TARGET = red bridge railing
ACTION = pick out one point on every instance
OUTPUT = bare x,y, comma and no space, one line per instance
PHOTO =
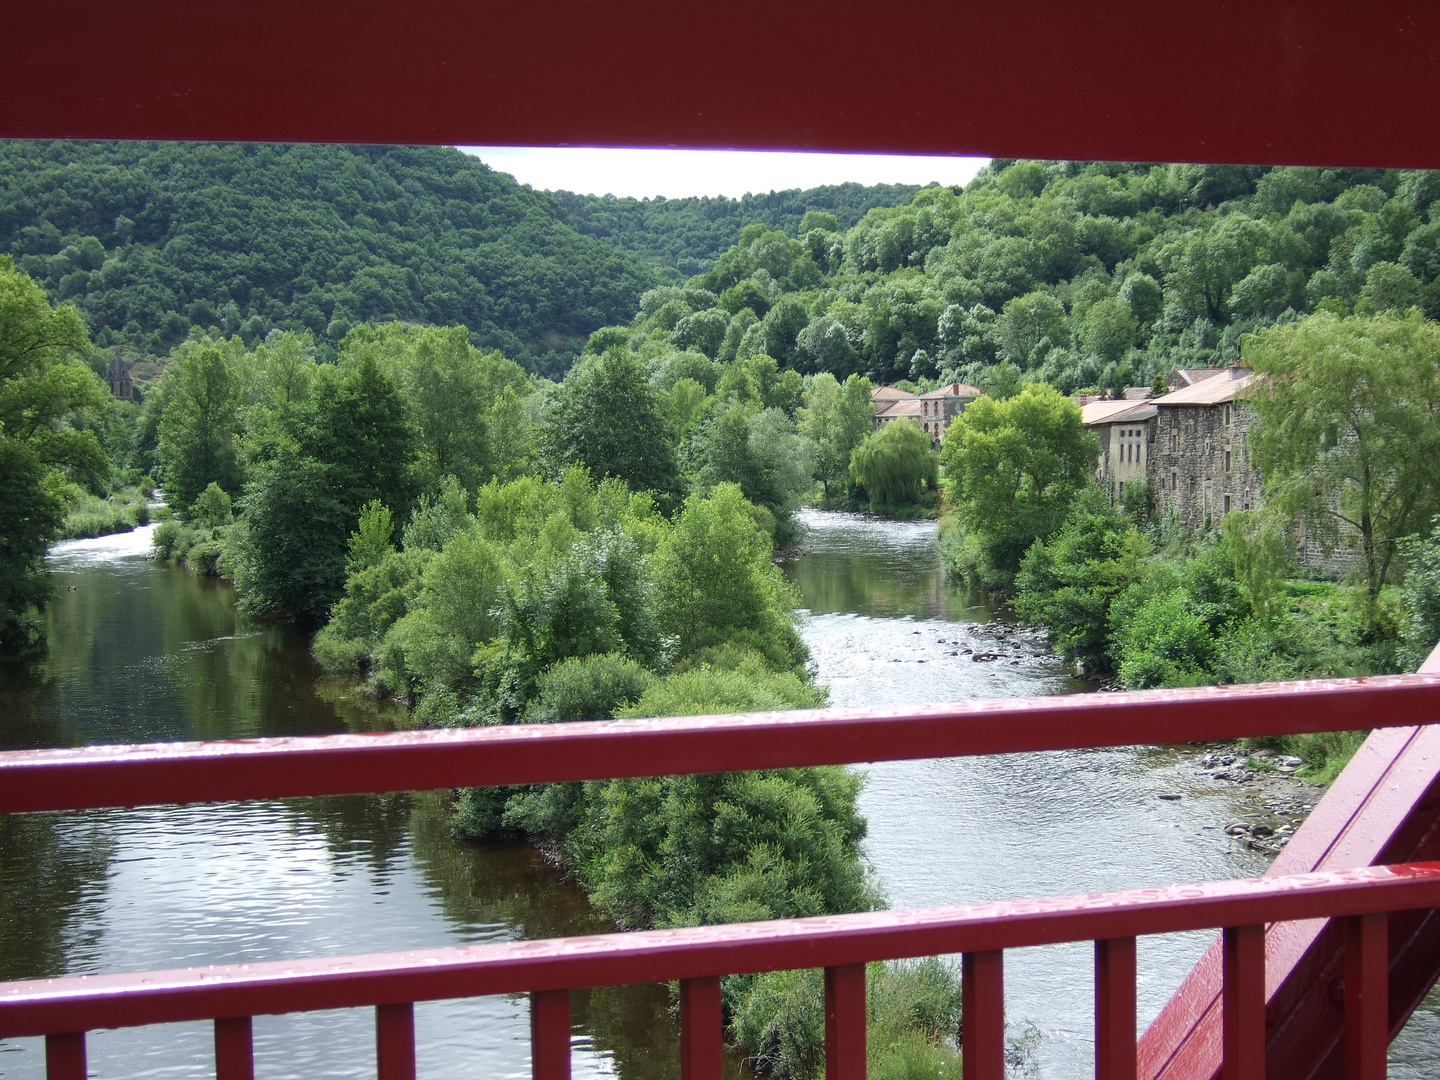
1359,898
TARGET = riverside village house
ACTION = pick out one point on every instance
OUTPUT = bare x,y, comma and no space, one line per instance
933,411
1189,444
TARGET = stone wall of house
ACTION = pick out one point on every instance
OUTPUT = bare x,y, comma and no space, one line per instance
1200,463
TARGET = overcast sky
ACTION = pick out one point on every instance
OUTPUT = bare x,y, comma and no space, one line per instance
673,173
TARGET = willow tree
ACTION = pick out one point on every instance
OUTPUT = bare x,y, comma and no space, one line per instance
894,464
1347,435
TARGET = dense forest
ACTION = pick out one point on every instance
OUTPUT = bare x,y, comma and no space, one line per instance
1079,275
152,240
478,527
690,233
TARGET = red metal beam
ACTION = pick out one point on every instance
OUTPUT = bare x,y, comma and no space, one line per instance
1323,82
34,780
548,967
1384,808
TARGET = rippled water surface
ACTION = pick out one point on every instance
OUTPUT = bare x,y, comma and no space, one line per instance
141,652
884,627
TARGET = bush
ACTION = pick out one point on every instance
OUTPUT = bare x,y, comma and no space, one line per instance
587,688
1069,583
91,516
1421,630
913,1013
166,539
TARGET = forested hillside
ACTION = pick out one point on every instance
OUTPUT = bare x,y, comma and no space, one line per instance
1080,275
689,234
150,239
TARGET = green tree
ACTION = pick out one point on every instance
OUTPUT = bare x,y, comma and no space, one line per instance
1030,326
45,390
201,424
1068,583
1347,432
715,582
605,416
895,464
1107,329
347,446
757,449
456,398
1014,467
835,419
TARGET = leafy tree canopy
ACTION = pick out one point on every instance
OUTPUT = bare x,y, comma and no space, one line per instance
46,394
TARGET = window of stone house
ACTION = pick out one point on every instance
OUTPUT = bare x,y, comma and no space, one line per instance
1227,461
1227,504
1174,480
1174,443
1226,416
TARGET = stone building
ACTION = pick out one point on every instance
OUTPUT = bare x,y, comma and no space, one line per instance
939,407
1125,429
933,411
891,403
1199,462
118,376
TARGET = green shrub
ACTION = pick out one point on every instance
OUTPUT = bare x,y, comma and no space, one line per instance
204,557
913,1014
166,539
587,688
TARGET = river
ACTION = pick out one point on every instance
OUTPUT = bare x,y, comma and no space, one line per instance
142,652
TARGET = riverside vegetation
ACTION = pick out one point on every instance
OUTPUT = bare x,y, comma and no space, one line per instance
490,546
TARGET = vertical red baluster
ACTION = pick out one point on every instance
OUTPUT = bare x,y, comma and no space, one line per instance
700,1029
234,1049
845,1018
65,1056
550,1035
1115,1009
982,1023
1367,988
395,1041
1243,1003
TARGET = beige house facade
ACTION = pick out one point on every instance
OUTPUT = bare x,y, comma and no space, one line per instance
1124,429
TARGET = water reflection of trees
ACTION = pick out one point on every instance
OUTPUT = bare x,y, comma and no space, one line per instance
53,869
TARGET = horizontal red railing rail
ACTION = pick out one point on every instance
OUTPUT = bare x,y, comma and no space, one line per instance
204,993
64,1008
100,776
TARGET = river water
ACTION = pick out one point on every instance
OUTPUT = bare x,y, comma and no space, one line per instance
141,652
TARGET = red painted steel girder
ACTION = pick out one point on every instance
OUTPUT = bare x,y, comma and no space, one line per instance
1324,82
1384,808
86,1002
33,780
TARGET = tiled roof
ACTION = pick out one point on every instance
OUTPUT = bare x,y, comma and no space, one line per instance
1191,376
890,393
903,407
1117,412
1213,391
954,389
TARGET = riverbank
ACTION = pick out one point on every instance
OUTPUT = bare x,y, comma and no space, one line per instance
1275,799
91,516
